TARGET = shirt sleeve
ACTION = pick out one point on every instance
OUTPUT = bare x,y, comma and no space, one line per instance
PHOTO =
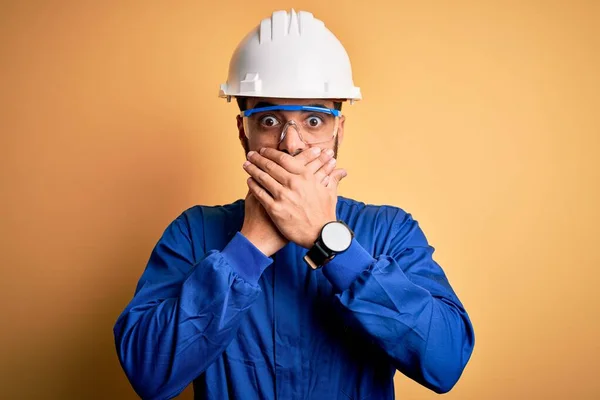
184,313
404,303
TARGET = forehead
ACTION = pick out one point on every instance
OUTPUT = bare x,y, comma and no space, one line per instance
252,101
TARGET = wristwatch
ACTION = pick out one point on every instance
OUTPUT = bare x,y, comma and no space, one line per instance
335,238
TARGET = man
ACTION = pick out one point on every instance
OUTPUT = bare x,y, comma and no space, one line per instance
294,292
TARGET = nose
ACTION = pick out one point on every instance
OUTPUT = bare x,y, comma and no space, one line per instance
291,143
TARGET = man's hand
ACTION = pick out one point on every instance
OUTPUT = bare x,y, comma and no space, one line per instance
258,227
299,197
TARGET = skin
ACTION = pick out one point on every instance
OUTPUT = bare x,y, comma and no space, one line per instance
292,186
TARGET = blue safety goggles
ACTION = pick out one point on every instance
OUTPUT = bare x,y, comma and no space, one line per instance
318,125
334,112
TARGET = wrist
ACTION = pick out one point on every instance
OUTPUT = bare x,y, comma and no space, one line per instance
266,245
316,233
335,237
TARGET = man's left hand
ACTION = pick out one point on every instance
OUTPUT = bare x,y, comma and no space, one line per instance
300,199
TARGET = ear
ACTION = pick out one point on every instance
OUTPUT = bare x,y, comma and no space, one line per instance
240,127
340,133
242,135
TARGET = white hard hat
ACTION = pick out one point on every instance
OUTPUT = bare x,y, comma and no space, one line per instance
290,55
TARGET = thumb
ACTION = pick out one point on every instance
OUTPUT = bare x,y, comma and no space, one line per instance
335,177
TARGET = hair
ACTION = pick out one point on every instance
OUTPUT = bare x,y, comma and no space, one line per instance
242,104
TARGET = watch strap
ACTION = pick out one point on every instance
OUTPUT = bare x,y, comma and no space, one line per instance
317,255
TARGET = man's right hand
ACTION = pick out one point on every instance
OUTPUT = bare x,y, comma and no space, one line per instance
258,227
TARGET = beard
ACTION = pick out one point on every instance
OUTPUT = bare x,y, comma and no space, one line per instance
247,148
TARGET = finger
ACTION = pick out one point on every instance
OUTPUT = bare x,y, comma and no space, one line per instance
260,194
325,170
312,154
270,167
318,162
264,179
335,177
291,164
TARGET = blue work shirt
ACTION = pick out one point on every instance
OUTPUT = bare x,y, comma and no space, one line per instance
212,309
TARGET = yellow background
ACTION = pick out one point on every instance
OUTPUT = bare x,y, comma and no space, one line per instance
480,118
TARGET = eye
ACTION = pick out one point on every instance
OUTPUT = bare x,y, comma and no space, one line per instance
269,121
314,121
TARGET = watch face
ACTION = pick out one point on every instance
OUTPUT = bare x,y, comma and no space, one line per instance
336,236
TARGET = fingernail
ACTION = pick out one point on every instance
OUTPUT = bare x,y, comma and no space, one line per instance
316,150
262,151
246,164
251,153
329,152
332,161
